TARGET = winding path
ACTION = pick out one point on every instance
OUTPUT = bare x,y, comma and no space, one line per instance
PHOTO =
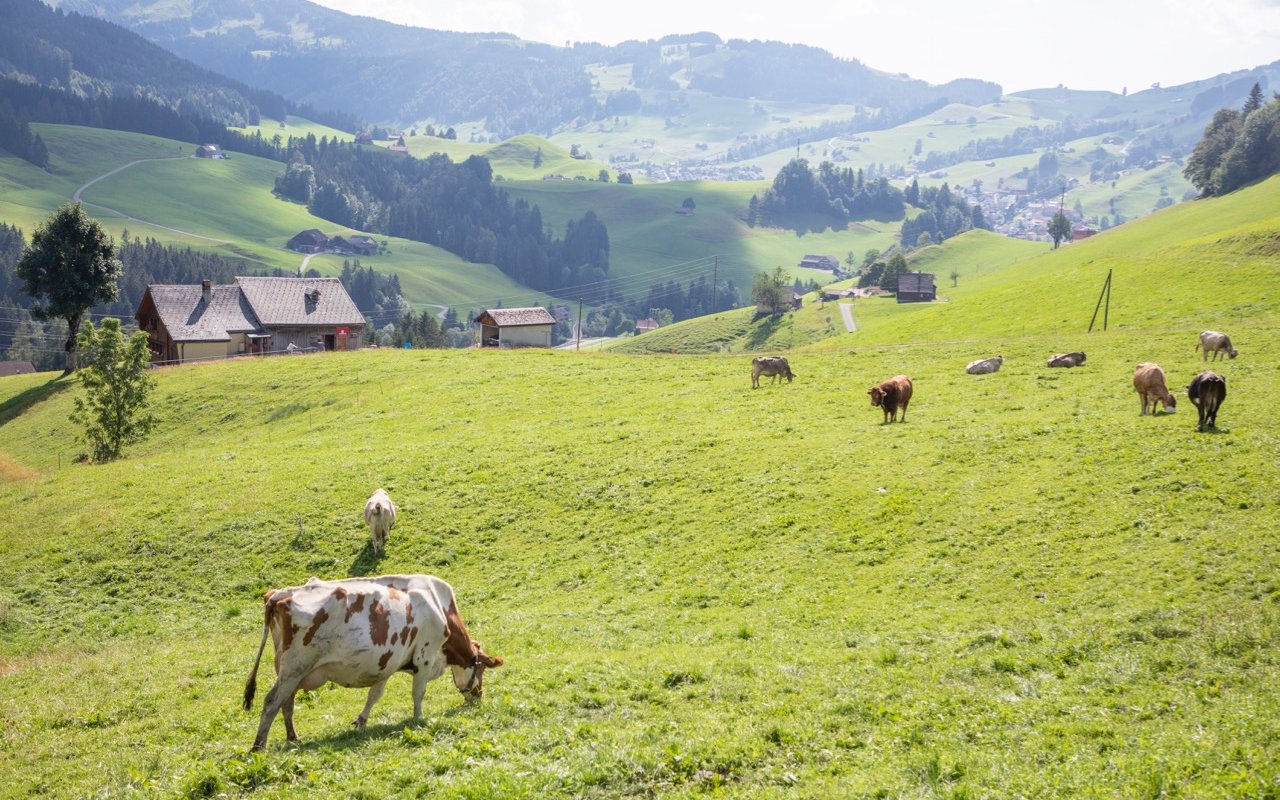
846,311
119,213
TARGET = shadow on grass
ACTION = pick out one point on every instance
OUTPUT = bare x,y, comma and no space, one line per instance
14,407
1214,431
761,333
353,737
365,563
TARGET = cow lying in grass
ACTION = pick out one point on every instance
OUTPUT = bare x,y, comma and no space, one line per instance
1206,393
1148,382
379,515
771,367
1066,360
359,632
891,395
985,366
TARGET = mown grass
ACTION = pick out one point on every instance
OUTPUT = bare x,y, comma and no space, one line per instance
1026,589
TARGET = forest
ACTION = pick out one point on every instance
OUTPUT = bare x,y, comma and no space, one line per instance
834,195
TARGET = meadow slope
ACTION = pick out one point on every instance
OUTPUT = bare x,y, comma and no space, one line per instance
1024,590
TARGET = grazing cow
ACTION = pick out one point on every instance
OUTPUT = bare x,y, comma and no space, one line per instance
1148,382
1216,343
1206,392
1066,360
359,632
891,395
771,367
379,515
984,366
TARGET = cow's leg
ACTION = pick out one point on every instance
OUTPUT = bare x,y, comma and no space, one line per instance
271,706
904,410
375,692
287,713
420,679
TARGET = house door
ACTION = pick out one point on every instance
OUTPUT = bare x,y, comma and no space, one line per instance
330,342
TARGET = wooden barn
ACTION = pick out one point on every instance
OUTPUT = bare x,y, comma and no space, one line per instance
311,240
515,327
916,287
209,151
253,316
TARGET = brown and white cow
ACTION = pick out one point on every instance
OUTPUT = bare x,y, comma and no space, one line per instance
359,632
1066,360
771,367
1148,382
379,515
1206,392
1216,343
891,395
985,366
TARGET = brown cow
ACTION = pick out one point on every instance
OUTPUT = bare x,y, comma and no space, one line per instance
1148,382
890,395
358,632
771,367
1066,360
1206,392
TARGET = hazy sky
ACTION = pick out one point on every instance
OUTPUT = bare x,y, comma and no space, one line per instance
1021,44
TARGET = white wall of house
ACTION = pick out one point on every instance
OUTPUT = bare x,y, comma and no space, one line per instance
195,351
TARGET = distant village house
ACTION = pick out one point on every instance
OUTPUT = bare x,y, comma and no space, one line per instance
309,241
515,327
354,245
209,151
829,263
916,287
255,315
645,325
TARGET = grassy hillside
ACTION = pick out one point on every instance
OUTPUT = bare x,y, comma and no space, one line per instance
695,585
512,159
1208,264
224,206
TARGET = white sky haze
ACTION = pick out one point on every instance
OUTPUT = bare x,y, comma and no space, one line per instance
1020,44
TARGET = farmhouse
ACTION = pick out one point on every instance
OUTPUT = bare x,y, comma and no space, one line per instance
645,325
400,145
308,241
838,294
356,244
515,327
250,317
829,263
209,151
916,287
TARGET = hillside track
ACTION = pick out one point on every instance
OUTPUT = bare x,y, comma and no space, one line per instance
78,192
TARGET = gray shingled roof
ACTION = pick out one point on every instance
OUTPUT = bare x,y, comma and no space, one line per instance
188,318
284,302
915,282
511,317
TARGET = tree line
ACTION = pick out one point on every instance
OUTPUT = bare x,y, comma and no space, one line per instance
802,199
1238,147
454,206
944,214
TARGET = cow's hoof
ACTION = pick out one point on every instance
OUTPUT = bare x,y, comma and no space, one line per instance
359,723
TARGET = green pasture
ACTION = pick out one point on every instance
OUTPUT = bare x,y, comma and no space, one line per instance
650,243
226,206
295,126
1026,589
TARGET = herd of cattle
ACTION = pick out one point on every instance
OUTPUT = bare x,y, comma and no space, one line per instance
358,632
1206,391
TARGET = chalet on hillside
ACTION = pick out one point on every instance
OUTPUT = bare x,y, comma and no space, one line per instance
8,368
308,241
645,325
209,151
838,294
829,263
357,244
916,287
255,315
399,145
515,327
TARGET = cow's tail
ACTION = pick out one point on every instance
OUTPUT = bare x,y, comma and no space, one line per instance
251,685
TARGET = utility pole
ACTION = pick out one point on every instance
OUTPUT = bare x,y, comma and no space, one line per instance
715,296
1106,292
578,346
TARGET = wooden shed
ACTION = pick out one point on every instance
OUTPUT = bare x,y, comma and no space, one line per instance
916,287
515,327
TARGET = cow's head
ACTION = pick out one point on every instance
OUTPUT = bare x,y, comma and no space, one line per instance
1170,404
470,679
790,376
877,395
1231,352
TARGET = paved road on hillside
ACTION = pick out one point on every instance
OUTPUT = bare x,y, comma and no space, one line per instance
120,213
846,311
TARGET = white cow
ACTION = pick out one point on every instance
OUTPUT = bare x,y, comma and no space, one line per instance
359,632
984,366
379,515
1216,343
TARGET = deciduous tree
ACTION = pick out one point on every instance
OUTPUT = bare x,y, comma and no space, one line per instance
69,267
1059,228
113,409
